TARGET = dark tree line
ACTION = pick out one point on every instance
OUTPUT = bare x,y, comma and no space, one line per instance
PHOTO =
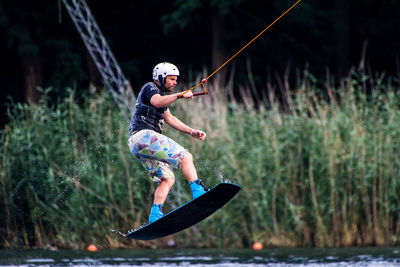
39,46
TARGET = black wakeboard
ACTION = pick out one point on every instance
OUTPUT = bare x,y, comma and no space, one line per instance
188,214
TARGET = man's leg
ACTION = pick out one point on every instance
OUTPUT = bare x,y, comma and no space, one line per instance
190,173
161,193
188,168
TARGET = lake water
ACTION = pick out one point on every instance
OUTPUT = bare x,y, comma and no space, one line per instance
385,257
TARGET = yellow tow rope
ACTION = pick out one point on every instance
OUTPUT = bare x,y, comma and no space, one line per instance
237,53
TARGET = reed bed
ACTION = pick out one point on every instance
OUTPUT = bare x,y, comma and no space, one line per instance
321,171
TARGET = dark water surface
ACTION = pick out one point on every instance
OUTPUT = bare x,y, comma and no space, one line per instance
386,257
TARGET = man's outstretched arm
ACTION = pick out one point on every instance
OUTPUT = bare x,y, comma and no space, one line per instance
160,101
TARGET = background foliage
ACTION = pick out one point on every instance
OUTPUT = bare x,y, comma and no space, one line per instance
317,154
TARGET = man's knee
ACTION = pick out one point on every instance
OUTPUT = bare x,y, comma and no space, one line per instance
169,180
187,157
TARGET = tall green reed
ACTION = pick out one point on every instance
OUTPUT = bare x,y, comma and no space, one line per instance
67,174
323,172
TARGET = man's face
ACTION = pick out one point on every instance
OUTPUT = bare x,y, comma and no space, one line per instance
170,82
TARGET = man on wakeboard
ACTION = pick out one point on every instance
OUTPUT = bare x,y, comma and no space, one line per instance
157,152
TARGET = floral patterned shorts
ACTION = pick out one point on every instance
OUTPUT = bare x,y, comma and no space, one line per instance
157,153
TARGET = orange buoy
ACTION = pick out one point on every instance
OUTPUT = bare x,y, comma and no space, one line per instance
92,248
257,246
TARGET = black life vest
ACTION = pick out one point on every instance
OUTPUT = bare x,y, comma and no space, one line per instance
146,116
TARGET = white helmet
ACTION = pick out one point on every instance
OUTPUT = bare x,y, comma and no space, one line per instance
162,70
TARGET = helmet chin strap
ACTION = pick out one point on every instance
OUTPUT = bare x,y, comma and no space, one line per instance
161,80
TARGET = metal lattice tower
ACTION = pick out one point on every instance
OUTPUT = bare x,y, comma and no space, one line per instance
102,55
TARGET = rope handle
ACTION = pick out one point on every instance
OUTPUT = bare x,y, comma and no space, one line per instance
196,94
